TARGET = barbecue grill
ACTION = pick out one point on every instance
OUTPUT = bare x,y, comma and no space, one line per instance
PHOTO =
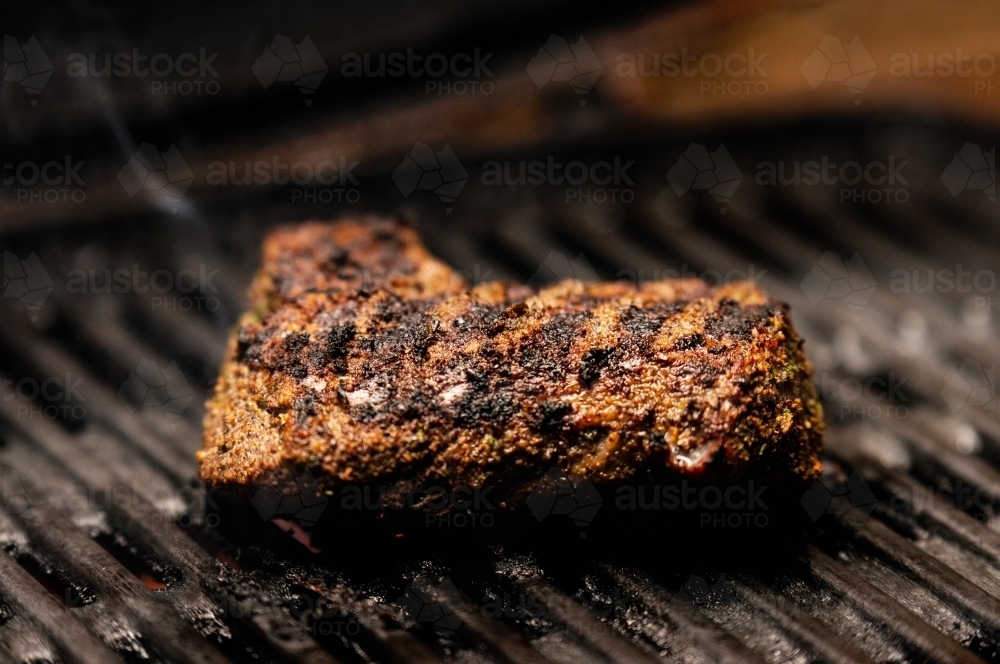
115,315
115,552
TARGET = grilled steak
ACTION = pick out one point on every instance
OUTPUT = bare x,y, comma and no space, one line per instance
368,362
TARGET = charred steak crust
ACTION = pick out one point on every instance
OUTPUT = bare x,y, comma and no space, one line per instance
368,362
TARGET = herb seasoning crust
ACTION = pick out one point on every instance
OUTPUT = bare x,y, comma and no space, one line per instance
366,361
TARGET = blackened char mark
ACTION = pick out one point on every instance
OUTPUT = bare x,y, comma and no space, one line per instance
296,341
334,352
423,337
551,416
643,324
479,317
411,332
336,256
689,342
486,401
732,320
285,356
509,314
413,403
250,345
392,308
548,355
562,330
338,338
593,362
292,359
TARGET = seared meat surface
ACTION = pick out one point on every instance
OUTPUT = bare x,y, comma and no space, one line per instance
368,362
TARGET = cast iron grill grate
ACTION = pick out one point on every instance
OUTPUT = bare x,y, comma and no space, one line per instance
112,555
